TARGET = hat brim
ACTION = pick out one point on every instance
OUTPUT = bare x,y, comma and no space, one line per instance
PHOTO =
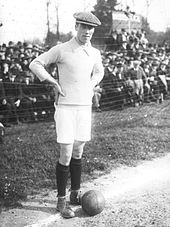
86,22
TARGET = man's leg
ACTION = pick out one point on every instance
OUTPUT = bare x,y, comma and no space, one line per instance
62,171
62,168
75,171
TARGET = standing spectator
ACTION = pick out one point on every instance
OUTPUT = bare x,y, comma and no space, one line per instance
119,40
107,98
80,70
129,88
124,39
153,82
138,76
97,97
163,87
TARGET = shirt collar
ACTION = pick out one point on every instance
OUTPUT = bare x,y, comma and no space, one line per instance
76,46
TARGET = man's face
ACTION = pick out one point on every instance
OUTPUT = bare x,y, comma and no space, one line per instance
84,33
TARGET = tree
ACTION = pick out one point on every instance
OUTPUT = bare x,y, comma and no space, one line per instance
145,25
152,36
103,10
51,37
57,19
48,24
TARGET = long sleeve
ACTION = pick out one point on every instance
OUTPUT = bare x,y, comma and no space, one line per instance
38,65
98,70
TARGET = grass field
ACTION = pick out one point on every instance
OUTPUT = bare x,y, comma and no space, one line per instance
29,153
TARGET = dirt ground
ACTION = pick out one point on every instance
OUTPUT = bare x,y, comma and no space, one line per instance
135,197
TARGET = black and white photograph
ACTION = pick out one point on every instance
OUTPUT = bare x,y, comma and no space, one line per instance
84,113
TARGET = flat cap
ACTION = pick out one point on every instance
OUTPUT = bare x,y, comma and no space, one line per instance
87,18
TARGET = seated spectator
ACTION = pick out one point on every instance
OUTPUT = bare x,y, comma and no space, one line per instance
42,104
2,101
147,87
153,82
119,87
27,113
11,101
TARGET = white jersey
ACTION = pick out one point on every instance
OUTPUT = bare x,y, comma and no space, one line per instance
80,69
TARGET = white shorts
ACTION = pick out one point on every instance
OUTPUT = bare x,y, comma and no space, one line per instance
72,123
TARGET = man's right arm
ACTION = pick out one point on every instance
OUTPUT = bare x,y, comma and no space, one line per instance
37,66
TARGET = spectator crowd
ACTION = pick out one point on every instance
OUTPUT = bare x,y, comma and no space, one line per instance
135,72
23,98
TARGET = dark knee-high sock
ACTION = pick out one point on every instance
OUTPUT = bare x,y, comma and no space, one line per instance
61,178
75,172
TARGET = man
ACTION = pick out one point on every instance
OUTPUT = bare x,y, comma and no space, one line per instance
153,82
147,87
138,76
107,83
80,70
2,97
162,82
119,87
27,100
11,101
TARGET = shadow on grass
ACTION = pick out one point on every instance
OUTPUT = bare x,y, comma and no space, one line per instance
45,209
79,212
41,201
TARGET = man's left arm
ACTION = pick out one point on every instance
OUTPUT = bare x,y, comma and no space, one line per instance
98,70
